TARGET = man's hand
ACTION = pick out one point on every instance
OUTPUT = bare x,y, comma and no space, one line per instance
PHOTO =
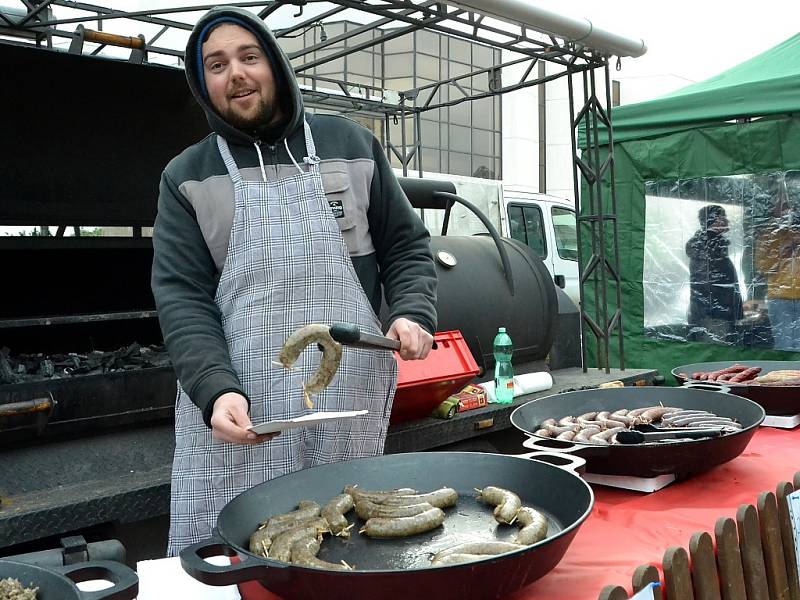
229,421
415,342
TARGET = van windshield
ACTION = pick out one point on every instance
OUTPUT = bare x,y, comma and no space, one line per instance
565,233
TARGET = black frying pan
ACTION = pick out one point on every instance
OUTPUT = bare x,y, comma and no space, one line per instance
651,460
58,583
776,400
397,569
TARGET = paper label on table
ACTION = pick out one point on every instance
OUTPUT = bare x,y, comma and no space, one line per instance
309,420
646,593
793,500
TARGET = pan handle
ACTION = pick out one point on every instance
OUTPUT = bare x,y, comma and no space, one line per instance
568,462
709,386
553,445
246,568
125,580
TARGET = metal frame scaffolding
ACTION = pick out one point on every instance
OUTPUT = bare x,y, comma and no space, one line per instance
526,48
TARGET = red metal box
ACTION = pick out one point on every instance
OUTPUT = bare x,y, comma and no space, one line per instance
422,385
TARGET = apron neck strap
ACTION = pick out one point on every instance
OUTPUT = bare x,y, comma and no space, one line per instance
227,157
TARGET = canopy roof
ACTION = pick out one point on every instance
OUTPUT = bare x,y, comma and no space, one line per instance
767,84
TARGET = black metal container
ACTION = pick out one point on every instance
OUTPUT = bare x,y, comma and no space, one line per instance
400,568
475,297
643,460
58,583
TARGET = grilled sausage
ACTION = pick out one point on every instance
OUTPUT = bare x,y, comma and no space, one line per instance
441,498
305,509
533,526
273,530
334,512
506,503
260,542
331,356
281,548
404,526
304,553
478,548
369,510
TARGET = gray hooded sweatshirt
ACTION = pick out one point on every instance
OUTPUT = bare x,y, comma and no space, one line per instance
388,243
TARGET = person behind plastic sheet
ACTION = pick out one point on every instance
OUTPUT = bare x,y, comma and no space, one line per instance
715,303
276,220
777,257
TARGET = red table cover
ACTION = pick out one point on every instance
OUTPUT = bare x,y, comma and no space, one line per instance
627,529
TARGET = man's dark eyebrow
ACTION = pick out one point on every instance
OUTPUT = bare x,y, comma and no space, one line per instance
242,48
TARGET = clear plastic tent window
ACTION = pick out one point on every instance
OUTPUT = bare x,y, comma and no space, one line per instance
722,260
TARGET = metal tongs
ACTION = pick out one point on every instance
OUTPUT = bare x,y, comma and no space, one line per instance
650,433
349,334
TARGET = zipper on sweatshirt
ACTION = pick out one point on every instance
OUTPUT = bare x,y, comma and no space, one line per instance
273,153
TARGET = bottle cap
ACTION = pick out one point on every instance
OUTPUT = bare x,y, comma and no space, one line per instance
501,330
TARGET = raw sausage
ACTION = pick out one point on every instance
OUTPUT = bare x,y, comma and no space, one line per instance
331,356
404,526
506,503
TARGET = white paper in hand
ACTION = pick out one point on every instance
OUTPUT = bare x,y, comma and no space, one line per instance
309,420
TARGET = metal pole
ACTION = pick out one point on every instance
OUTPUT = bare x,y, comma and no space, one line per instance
578,218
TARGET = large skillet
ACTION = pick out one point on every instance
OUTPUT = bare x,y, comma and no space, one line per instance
395,569
637,460
58,583
776,399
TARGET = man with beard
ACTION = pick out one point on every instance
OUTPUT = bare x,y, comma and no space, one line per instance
276,220
715,303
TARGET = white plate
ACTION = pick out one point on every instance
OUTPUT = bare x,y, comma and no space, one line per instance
309,420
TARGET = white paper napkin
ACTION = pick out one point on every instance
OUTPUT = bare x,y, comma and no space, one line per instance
165,578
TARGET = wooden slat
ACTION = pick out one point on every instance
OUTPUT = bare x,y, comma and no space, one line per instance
729,561
643,576
704,567
755,576
677,579
613,592
783,489
772,545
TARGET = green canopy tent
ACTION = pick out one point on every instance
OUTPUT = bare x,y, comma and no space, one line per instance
726,140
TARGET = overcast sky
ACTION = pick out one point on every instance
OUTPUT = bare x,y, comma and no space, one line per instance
691,39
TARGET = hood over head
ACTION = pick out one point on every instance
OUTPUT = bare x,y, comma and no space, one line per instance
288,93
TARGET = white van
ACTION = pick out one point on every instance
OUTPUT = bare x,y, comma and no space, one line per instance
544,223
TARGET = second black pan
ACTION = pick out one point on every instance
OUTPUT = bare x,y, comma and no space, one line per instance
58,583
776,400
643,460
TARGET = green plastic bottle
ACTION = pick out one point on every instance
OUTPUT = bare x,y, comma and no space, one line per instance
503,369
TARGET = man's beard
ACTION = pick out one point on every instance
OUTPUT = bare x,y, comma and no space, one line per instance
265,114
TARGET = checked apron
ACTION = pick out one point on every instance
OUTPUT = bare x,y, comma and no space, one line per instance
287,266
